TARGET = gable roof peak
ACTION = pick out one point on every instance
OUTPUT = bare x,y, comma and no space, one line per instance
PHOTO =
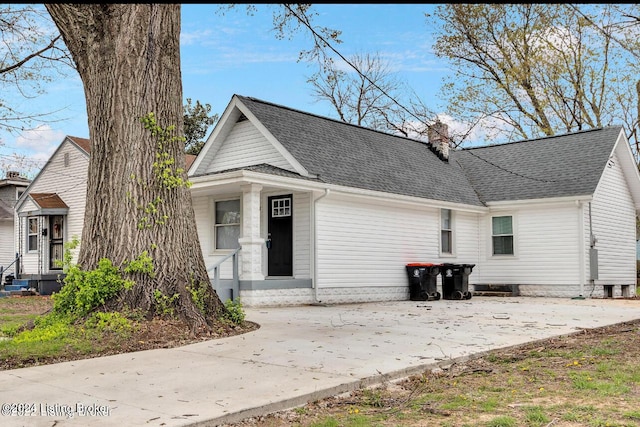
272,104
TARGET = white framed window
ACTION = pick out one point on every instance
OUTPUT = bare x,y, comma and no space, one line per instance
227,224
502,235
32,234
281,207
446,231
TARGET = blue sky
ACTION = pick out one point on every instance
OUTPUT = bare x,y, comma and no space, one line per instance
234,53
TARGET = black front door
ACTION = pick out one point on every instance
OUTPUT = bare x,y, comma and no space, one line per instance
280,236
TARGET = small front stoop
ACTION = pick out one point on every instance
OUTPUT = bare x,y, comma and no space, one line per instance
496,290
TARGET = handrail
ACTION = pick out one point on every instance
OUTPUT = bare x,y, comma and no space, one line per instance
2,269
216,273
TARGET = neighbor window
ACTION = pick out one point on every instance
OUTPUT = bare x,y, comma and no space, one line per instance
32,234
502,235
446,233
227,224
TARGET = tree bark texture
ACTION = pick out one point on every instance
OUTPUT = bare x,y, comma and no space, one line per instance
128,56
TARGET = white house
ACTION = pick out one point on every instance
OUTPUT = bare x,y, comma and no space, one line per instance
315,210
324,211
11,188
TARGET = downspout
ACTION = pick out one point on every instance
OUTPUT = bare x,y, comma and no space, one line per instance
592,245
315,247
581,249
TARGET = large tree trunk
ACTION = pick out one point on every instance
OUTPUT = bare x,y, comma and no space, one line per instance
128,56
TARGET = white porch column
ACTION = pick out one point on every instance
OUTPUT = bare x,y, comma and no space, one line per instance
251,242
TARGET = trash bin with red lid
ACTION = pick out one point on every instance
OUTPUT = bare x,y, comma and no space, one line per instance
423,278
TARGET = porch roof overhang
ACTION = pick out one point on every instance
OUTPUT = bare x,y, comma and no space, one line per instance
46,204
233,180
44,212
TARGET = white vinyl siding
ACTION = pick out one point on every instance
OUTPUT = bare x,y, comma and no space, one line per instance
466,242
364,243
204,223
613,220
246,146
546,244
7,249
301,236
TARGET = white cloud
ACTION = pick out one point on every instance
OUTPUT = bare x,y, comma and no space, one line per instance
39,142
30,150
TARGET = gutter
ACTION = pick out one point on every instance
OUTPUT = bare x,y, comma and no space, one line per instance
315,246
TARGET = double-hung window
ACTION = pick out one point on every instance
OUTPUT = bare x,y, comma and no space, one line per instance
227,224
446,231
502,235
32,234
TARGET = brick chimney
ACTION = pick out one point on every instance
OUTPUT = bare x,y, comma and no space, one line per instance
438,135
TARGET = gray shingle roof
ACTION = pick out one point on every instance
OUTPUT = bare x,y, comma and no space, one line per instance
557,166
344,154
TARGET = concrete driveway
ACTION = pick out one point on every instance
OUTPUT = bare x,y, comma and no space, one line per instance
298,354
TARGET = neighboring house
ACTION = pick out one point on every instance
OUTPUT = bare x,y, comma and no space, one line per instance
51,212
11,188
324,211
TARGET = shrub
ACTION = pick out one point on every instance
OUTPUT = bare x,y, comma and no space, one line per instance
85,290
235,311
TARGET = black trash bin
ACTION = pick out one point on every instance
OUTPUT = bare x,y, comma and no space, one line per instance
455,281
423,277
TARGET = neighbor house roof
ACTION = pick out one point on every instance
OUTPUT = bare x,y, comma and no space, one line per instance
555,166
85,144
349,155
48,200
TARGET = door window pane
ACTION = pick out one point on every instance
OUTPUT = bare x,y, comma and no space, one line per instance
280,207
56,241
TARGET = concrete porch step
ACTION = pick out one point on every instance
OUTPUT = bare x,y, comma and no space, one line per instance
492,293
18,287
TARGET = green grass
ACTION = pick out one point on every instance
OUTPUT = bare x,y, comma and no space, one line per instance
54,338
